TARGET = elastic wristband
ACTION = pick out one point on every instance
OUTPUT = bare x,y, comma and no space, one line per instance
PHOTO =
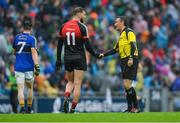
37,65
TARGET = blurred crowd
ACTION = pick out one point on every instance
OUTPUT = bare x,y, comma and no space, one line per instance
155,22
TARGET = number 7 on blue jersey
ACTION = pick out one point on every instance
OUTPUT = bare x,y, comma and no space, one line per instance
22,46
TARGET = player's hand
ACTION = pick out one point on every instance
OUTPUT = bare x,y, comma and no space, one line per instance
101,55
130,62
58,65
37,69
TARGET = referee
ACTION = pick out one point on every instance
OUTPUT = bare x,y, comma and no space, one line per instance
127,49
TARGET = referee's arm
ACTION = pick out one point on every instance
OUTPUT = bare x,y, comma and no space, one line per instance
113,51
132,39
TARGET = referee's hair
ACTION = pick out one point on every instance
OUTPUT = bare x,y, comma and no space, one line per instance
124,19
27,23
77,10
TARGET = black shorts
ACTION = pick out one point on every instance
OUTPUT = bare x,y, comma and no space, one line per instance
129,72
75,63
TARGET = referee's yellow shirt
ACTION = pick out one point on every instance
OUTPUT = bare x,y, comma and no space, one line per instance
123,45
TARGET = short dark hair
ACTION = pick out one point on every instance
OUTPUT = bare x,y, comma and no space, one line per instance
124,19
77,10
27,23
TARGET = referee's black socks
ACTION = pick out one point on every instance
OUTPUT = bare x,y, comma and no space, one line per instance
131,98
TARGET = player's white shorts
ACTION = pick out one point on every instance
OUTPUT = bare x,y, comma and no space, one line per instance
22,77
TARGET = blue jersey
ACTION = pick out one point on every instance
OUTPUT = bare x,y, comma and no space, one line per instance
22,44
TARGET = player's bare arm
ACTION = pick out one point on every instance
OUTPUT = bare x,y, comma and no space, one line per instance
35,59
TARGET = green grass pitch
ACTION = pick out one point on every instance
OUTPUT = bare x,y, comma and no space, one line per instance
93,117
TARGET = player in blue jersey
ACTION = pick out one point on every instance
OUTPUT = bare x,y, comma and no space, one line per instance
26,64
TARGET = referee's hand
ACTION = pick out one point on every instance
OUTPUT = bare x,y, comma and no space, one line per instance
130,62
58,65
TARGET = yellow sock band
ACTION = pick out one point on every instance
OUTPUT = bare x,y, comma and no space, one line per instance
21,103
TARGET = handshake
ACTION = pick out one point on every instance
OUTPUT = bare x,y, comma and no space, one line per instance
101,55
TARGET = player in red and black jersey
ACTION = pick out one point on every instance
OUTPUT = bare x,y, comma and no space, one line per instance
74,35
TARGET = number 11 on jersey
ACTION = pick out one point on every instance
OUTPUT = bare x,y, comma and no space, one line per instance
69,35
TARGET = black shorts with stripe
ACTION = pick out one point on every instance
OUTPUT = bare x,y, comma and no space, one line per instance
75,62
129,72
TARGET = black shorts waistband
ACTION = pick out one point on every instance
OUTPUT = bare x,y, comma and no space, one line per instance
134,57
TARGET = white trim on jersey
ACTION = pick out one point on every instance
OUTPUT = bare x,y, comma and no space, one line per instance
87,33
35,41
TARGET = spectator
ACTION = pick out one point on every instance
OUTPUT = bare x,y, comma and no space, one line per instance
159,34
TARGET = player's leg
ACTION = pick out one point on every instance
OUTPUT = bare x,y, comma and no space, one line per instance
21,96
20,78
69,85
68,90
29,80
30,96
78,77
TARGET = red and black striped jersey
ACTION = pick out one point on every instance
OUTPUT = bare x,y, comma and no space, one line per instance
73,34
